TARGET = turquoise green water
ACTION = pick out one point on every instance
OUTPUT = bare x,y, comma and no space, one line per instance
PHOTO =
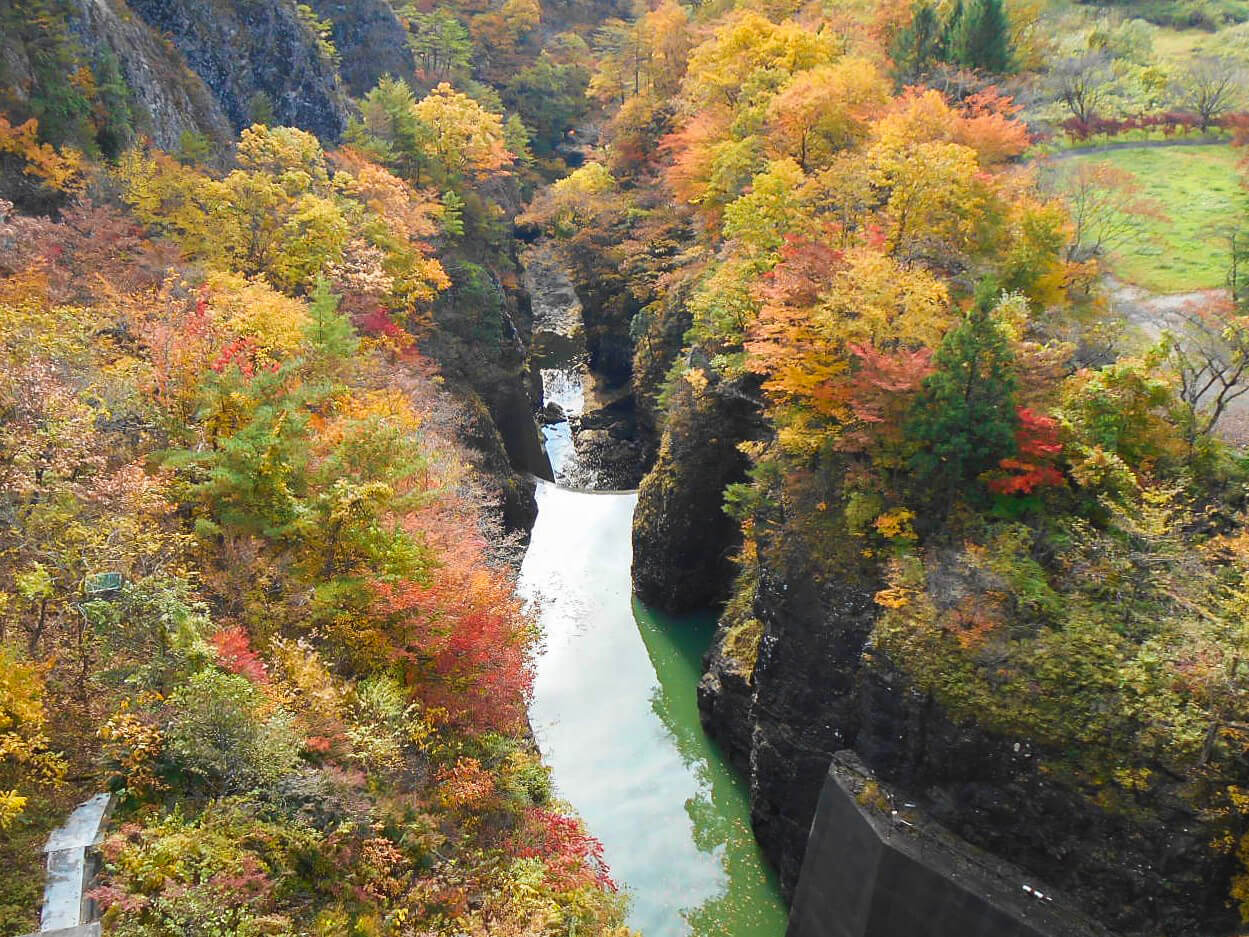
616,715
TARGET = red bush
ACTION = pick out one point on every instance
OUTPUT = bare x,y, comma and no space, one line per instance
235,654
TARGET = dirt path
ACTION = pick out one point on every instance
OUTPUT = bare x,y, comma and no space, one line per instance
1150,314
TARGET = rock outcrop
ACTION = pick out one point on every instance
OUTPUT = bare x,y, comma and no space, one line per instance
481,347
205,68
255,57
370,40
164,98
517,490
803,704
818,688
167,97
683,542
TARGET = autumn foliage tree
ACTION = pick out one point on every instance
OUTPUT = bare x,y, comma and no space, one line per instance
1035,463
465,140
27,762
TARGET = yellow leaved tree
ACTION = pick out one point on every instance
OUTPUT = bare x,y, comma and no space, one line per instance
26,760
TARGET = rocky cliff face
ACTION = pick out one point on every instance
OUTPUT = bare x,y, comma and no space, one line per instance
481,346
683,542
255,55
208,68
517,490
164,98
370,40
658,346
168,98
607,311
817,689
801,705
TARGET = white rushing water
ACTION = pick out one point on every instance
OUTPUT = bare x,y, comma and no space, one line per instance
566,387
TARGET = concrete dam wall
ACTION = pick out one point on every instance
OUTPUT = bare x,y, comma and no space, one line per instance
871,870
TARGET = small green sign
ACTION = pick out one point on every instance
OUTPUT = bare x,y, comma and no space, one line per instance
103,584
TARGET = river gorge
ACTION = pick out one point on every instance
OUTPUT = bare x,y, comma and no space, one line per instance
616,716
615,707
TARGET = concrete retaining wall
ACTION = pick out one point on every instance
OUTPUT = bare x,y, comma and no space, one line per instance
67,912
873,871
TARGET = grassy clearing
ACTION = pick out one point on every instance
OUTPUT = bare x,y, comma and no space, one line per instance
1061,143
1186,14
1174,46
1199,188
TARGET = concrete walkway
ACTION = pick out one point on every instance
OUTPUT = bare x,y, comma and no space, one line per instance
66,911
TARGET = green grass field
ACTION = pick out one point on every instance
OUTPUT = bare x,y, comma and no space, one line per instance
1200,191
1174,46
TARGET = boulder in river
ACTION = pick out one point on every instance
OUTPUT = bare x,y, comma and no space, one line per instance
552,414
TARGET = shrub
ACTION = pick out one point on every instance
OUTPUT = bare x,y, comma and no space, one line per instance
219,739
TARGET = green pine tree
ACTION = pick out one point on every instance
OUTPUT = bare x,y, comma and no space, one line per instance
919,45
949,26
978,36
440,43
254,480
114,118
390,132
39,31
964,422
332,336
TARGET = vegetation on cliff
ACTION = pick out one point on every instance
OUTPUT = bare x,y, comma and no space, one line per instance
254,587
1043,500
250,579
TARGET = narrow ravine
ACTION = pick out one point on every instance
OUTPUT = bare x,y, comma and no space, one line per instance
559,356
615,706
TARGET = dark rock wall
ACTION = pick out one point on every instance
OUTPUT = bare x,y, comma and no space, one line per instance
683,542
607,312
805,705
1143,868
244,47
370,40
518,503
480,342
658,346
168,98
726,699
1147,869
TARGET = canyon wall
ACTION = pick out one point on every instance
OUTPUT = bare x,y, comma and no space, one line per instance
261,60
817,687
